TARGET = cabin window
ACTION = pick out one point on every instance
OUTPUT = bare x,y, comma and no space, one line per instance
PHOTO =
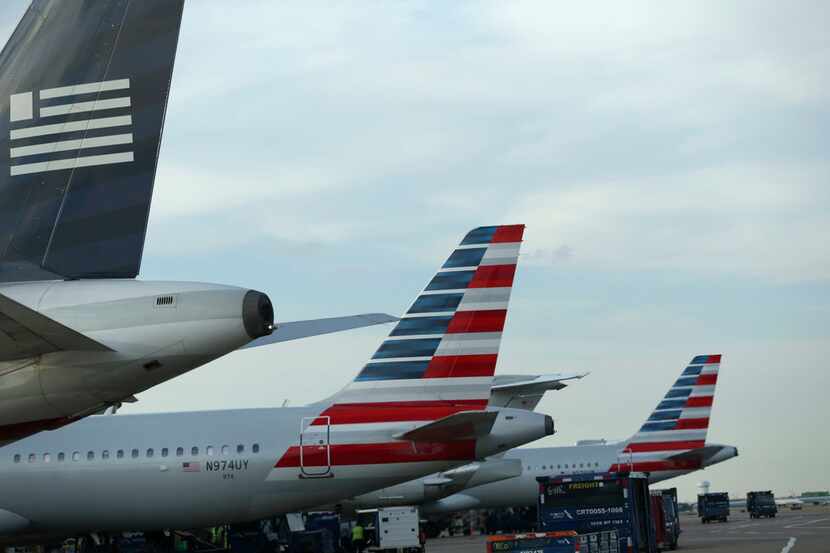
164,452
209,450
226,450
194,450
32,457
76,455
47,458
134,454
179,451
240,449
90,455
105,454
61,457
119,454
149,452
17,458
255,449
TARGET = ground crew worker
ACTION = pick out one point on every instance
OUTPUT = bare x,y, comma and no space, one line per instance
358,539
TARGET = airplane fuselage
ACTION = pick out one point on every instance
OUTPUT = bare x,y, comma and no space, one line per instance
187,470
522,491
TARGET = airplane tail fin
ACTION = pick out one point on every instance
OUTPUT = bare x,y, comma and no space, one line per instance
441,356
680,421
83,93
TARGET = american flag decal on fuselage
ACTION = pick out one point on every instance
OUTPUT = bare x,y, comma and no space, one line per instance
73,126
191,466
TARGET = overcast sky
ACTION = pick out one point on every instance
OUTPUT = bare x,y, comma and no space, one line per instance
670,161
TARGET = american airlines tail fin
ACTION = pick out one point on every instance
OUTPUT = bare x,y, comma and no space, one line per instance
679,423
441,356
83,92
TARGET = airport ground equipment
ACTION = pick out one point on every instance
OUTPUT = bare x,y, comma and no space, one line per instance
672,515
713,506
537,542
761,504
611,512
393,528
665,518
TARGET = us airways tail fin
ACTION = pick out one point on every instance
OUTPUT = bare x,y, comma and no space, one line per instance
83,92
441,356
679,423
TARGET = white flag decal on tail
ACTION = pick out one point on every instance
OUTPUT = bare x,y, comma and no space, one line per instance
44,109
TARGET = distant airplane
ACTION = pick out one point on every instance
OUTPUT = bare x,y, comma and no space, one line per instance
420,405
789,501
672,442
83,96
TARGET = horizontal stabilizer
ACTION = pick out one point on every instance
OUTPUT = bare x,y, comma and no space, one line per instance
294,330
701,454
526,390
464,425
25,333
477,474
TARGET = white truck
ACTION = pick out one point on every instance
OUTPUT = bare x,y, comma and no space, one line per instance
396,529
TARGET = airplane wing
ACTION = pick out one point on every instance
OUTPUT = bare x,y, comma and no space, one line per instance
525,391
294,330
464,425
26,333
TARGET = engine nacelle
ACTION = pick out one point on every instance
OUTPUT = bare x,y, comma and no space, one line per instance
157,330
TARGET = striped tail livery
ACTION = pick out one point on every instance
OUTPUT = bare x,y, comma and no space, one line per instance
673,438
441,356
422,397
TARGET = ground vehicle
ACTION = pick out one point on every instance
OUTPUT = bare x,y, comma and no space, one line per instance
538,542
761,504
666,518
713,506
392,528
611,512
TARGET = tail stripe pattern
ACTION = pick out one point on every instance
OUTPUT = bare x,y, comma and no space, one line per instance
448,340
678,424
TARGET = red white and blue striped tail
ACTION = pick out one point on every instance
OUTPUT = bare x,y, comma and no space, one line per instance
680,421
441,356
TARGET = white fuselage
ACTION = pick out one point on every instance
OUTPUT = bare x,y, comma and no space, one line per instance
156,331
522,491
126,472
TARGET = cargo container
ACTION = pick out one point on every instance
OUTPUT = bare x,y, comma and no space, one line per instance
611,512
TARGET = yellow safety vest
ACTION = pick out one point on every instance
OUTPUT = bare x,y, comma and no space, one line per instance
357,533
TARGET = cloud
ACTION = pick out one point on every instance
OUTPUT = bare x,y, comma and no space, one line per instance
739,219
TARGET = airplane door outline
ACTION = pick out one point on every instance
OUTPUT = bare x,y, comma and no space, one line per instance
315,447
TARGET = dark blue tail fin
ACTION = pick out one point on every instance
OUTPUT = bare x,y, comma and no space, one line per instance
83,92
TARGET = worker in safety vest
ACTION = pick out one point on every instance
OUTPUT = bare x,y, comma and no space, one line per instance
358,539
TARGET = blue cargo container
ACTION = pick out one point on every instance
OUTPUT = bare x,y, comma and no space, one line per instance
610,511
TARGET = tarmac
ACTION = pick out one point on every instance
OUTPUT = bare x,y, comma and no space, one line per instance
806,531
